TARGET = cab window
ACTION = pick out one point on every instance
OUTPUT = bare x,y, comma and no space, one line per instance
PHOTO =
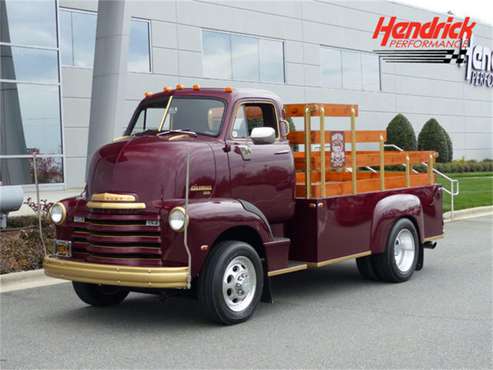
251,115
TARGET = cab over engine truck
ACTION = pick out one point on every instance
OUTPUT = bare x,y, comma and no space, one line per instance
209,190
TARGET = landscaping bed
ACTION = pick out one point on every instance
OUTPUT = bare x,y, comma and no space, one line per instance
20,245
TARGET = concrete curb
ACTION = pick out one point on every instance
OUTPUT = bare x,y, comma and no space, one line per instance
26,280
37,278
465,214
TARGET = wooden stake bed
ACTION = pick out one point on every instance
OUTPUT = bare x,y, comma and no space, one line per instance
315,176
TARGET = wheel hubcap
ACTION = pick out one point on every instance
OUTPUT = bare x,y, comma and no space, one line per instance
404,250
239,283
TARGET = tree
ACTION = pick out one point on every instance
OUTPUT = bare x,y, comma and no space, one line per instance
401,133
433,137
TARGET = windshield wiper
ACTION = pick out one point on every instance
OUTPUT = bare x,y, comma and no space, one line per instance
179,131
146,132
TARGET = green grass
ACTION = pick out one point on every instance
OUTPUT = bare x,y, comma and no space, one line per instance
476,190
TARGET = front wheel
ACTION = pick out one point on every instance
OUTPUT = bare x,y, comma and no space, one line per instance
99,295
231,283
398,262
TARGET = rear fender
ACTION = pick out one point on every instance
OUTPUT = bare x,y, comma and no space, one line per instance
387,211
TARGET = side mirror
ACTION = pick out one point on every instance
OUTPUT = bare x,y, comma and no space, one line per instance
263,135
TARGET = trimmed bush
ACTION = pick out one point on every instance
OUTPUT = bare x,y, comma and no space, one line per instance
432,137
449,145
401,133
460,166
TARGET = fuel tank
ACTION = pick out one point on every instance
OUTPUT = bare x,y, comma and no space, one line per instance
152,168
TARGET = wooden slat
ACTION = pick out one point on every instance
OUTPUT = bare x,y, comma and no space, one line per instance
338,188
298,137
331,110
366,158
345,176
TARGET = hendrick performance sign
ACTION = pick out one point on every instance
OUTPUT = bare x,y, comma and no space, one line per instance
437,41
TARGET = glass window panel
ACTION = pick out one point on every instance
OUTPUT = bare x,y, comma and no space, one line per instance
216,55
271,61
351,70
138,47
84,38
330,67
66,38
371,72
28,64
28,22
245,58
30,119
20,171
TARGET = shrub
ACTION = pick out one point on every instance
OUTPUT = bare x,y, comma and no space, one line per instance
432,137
460,166
449,145
401,133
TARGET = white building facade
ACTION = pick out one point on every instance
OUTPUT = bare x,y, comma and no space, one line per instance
302,50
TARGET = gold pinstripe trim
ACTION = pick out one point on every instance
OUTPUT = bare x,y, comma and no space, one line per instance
434,237
301,266
336,260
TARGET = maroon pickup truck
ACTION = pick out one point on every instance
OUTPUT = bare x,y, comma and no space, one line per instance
209,191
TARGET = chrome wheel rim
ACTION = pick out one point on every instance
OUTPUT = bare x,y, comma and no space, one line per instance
404,250
239,283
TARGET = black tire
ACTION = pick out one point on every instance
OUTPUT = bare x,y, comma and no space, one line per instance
366,269
385,264
100,295
211,295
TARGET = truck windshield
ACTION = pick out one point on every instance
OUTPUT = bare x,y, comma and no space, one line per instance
200,115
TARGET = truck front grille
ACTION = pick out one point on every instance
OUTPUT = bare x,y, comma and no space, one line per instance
118,238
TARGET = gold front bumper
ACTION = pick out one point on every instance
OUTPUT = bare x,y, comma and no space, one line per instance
142,277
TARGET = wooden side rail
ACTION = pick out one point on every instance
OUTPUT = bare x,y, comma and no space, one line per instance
366,158
298,137
329,110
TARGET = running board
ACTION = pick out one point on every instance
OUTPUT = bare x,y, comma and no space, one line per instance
294,266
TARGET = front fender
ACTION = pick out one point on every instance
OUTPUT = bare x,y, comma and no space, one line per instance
387,211
209,218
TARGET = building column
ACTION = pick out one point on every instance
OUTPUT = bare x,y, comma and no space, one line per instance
109,74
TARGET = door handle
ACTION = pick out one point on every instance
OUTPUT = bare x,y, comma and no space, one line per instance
287,151
245,151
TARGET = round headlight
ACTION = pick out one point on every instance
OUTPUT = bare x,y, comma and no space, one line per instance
177,219
58,213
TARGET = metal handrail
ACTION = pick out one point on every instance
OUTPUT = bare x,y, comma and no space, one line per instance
454,183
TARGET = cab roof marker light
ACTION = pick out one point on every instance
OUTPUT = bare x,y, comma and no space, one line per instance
228,89
180,86
147,94
167,89
196,87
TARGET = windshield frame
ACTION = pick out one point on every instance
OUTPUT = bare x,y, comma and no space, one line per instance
167,104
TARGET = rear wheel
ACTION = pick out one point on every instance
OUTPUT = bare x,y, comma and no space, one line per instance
100,295
398,262
231,283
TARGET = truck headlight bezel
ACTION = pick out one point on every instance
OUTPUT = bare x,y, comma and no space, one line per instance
177,219
58,213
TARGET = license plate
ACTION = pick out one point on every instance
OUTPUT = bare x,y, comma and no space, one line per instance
63,248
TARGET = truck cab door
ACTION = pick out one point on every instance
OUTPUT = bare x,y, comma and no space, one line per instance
262,174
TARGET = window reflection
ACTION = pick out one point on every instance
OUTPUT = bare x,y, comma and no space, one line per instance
78,41
245,58
28,22
271,61
138,47
20,171
217,55
371,72
30,119
28,64
330,67
349,69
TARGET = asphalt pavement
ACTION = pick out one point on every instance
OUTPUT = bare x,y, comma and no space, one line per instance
326,318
